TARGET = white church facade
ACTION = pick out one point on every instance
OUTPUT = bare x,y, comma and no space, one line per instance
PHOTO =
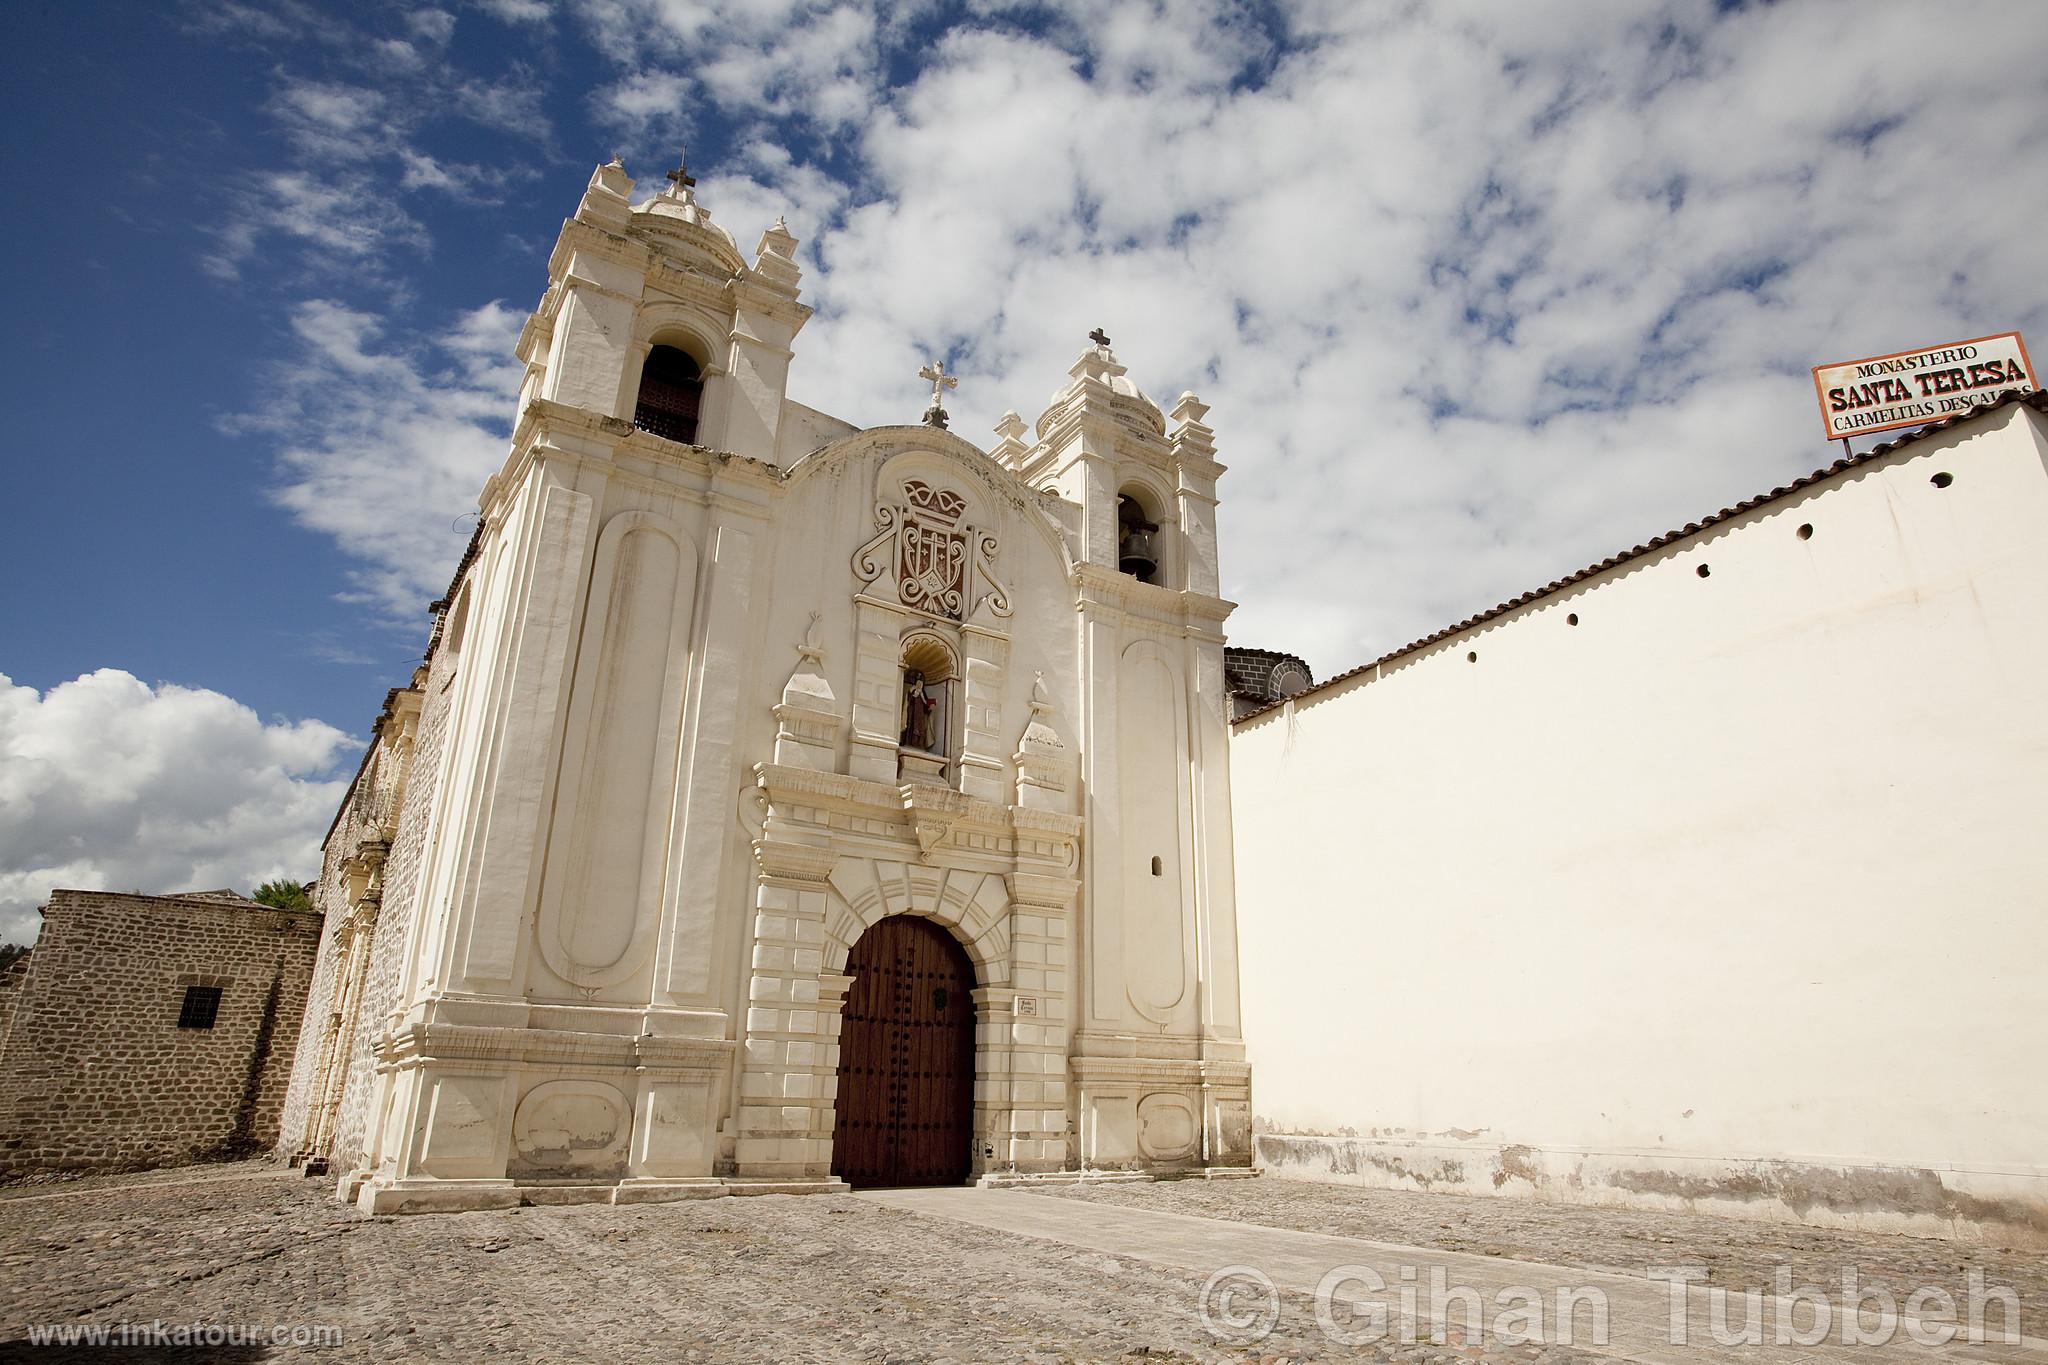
783,805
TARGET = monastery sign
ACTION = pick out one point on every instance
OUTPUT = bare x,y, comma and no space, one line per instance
1907,388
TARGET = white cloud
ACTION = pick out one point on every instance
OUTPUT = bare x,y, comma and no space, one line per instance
1479,294
109,783
759,63
516,11
384,447
425,172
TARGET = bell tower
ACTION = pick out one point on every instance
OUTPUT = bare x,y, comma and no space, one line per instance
644,303
1160,993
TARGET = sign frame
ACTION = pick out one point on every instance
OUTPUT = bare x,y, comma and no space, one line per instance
1820,391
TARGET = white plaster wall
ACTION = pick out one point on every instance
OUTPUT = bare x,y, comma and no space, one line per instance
1747,866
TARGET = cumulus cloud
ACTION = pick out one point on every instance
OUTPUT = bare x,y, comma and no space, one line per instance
817,64
109,783
1478,293
384,445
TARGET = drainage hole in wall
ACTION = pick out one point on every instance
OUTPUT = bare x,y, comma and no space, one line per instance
1158,867
1702,571
1806,531
1572,619
1943,479
1473,657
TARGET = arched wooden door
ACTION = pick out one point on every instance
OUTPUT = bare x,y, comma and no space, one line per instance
906,1059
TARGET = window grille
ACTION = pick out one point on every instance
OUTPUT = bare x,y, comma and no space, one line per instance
201,1007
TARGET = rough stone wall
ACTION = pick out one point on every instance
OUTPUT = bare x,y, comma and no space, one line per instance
319,1008
401,906
381,777
11,982
97,1075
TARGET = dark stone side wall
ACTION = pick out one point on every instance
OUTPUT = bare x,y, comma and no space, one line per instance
95,1073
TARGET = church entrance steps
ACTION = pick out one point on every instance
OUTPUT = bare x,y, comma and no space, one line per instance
1640,1317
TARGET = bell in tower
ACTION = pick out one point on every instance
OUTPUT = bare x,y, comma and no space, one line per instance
1137,540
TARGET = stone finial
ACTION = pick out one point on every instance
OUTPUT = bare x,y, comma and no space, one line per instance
1190,435
605,202
808,718
775,256
1011,449
1043,764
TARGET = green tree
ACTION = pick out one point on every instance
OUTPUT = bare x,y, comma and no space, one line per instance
285,895
11,953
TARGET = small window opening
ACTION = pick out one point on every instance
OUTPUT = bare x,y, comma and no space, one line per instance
1158,866
671,387
1806,530
1943,479
1703,571
200,1008
1137,545
1572,619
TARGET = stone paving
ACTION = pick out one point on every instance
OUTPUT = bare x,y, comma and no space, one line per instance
1737,1253
765,1278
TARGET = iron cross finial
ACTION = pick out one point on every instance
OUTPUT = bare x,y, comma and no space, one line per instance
681,174
1100,338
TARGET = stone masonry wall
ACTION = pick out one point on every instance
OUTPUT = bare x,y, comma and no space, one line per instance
95,1073
384,773
401,907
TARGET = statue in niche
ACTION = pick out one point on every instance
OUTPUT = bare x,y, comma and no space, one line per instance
920,713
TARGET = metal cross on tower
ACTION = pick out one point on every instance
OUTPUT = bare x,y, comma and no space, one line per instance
681,174
1100,338
935,415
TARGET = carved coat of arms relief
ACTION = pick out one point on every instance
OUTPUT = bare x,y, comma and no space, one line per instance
939,560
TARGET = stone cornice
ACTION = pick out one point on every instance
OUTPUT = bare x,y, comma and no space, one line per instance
689,286
486,1043
543,416
1037,891
787,861
579,236
908,805
1102,584
1171,1070
756,295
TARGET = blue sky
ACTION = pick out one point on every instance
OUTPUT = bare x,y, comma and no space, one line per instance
1479,292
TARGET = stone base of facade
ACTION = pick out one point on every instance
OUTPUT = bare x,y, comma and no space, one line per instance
374,1196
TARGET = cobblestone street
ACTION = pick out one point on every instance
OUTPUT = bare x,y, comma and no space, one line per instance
1738,1254
770,1278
